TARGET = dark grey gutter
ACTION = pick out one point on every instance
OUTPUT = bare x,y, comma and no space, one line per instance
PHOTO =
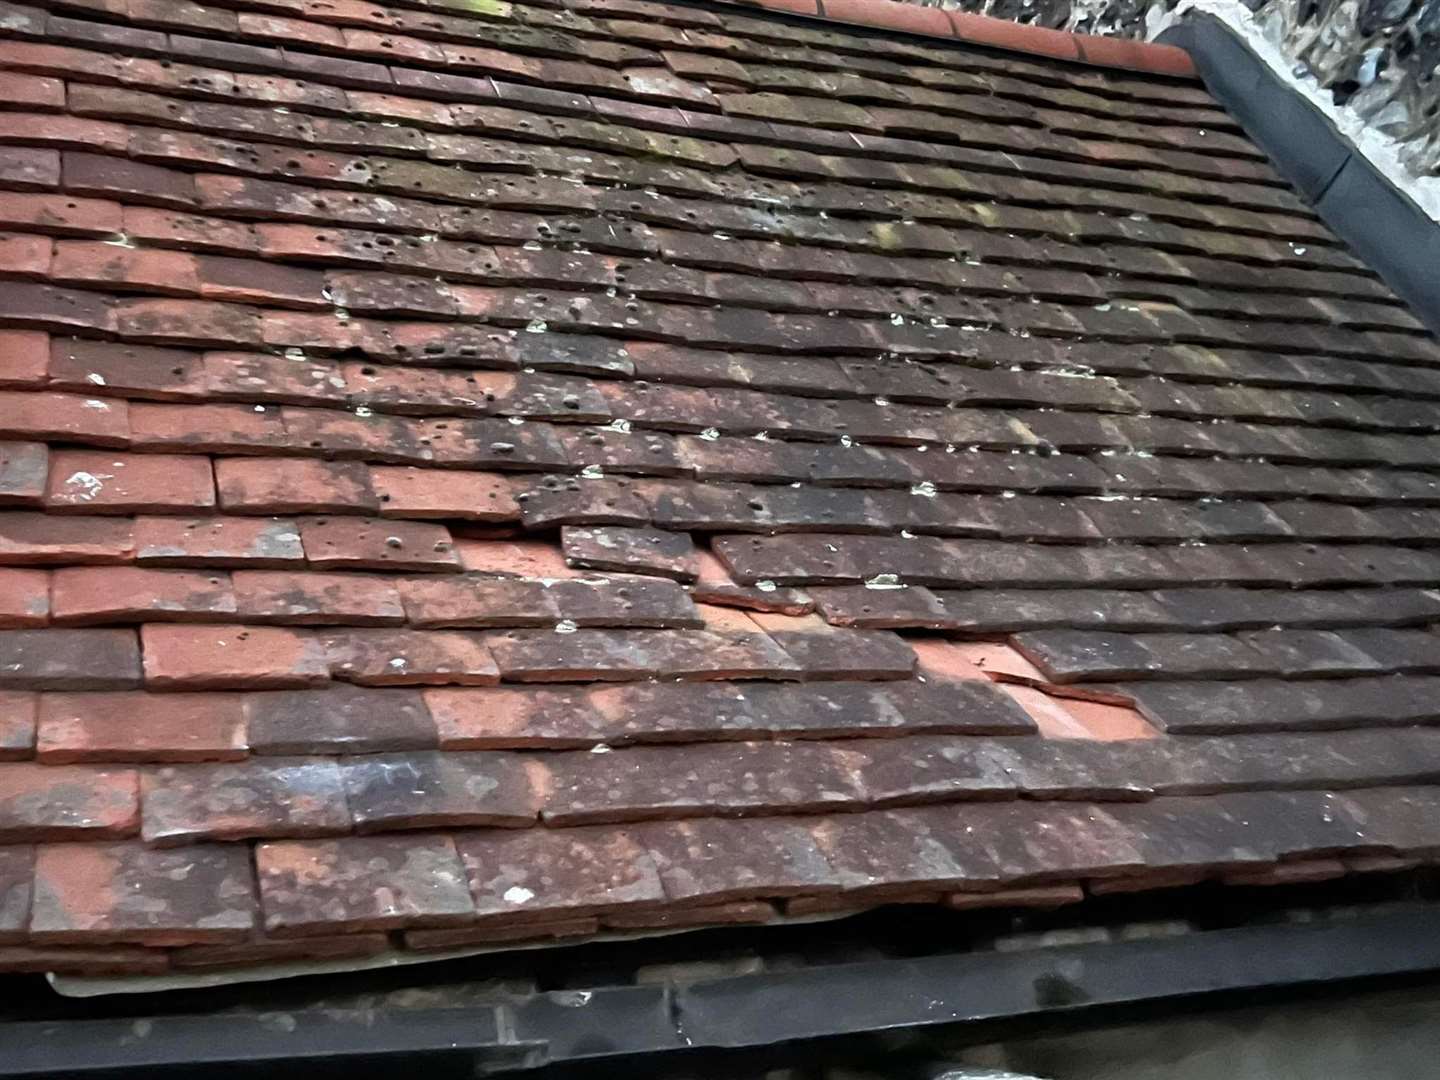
1379,222
627,1024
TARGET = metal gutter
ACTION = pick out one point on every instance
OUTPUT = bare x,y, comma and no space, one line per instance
1379,222
633,1022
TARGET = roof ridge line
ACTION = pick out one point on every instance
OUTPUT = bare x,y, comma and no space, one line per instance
905,17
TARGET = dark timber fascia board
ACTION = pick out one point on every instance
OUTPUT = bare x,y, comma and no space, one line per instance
819,1002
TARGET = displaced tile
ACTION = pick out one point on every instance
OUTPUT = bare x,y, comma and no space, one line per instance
316,887
715,586
822,651
627,550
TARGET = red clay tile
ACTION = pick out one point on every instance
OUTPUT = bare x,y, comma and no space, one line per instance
822,651
1003,34
536,875
513,717
1040,896
1135,55
77,960
517,558
714,586
25,255
426,789
410,658
93,595
32,90
41,539
345,543
605,655
361,883
469,937
18,709
17,864
435,493
89,482
739,912
73,802
338,719
1108,722
137,727
263,950
253,543
24,468
86,262
316,599
1049,713
24,598
890,15
66,417
24,357
625,550
263,797
205,428
478,602
55,659
224,657
95,893
946,660
293,486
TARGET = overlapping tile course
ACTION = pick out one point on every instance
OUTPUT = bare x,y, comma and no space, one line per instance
476,471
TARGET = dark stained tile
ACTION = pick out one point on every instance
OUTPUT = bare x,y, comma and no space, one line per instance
339,719
67,802
717,861
317,887
429,789
539,875
96,893
262,797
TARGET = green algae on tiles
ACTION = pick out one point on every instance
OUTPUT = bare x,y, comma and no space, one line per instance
487,9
